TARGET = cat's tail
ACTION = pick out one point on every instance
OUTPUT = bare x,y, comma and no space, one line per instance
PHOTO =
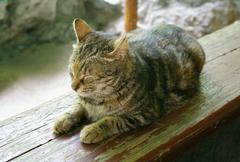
195,50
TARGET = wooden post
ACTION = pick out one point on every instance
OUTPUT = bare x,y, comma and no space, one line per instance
130,15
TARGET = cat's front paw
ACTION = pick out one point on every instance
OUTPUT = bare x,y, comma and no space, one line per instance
63,124
92,134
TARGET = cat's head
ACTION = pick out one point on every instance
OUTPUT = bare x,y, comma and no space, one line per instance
99,61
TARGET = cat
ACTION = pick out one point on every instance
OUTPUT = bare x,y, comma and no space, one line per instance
126,82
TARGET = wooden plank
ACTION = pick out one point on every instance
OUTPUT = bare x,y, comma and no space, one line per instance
221,42
219,145
29,136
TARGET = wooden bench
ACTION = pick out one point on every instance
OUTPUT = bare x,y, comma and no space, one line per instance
28,136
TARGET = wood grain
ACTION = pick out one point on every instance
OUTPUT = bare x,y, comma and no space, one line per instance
28,136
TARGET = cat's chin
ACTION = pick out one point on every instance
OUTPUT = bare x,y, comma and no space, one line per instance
95,95
83,94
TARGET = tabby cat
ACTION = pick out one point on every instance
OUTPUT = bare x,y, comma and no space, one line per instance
128,81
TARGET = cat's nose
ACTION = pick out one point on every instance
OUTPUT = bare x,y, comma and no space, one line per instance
75,86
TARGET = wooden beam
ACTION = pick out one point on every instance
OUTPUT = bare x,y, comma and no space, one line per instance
130,15
28,136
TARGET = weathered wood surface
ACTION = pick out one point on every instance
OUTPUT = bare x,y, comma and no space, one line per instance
219,145
28,136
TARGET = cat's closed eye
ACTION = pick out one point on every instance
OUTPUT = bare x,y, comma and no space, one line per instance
88,79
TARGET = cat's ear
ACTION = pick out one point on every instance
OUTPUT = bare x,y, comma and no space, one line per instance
81,28
120,48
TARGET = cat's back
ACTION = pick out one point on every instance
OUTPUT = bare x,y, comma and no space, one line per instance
152,42
154,36
161,40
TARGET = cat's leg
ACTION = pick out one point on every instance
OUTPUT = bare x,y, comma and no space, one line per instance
111,125
65,122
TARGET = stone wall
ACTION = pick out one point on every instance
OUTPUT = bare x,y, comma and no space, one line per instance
199,17
31,21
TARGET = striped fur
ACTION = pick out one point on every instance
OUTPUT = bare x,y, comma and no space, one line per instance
129,81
